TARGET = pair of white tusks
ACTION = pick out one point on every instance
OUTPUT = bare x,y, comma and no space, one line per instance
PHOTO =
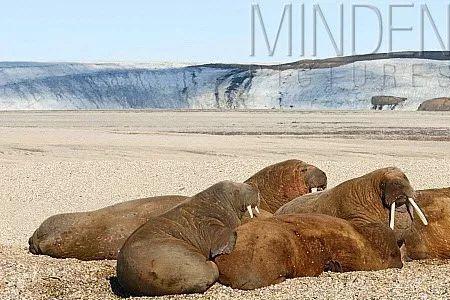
315,190
250,211
416,208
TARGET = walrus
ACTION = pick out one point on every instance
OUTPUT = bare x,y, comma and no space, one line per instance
432,241
99,234
268,251
282,182
372,198
173,253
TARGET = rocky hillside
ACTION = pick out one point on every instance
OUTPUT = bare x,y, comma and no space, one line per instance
336,83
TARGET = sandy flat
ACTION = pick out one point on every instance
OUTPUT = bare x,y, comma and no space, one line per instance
54,162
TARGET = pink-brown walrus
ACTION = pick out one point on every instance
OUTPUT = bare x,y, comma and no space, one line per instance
268,251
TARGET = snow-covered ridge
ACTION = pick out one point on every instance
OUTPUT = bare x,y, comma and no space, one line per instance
25,85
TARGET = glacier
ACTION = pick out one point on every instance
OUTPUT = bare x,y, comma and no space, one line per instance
326,84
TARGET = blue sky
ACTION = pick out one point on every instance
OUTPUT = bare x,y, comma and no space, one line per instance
192,31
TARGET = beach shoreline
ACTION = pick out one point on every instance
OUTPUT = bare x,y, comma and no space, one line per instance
64,161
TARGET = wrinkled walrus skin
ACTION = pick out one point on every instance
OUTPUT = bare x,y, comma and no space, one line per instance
172,253
364,201
99,234
282,182
271,250
432,241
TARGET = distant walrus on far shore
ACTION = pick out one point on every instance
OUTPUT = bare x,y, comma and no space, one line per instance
432,241
268,251
369,199
282,182
173,253
99,234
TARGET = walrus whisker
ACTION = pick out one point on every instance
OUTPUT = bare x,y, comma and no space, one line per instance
418,211
392,216
250,211
257,210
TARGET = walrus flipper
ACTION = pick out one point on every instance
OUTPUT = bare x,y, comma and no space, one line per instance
225,242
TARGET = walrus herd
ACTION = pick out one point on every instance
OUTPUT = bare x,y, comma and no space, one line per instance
100,234
280,223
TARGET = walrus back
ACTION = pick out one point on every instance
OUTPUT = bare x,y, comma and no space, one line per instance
298,245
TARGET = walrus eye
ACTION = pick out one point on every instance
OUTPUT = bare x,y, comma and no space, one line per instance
418,211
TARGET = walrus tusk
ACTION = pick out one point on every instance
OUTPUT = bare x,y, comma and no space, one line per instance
250,211
314,190
392,216
418,211
257,210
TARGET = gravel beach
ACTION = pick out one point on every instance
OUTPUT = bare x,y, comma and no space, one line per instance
55,162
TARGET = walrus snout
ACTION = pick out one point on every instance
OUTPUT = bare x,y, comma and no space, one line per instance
395,187
33,246
316,179
317,189
411,207
396,192
251,199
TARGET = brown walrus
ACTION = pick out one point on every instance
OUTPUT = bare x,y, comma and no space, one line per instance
372,198
172,253
99,234
432,241
271,250
282,182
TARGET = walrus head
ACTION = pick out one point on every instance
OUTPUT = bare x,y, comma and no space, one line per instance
315,179
280,183
396,191
242,197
